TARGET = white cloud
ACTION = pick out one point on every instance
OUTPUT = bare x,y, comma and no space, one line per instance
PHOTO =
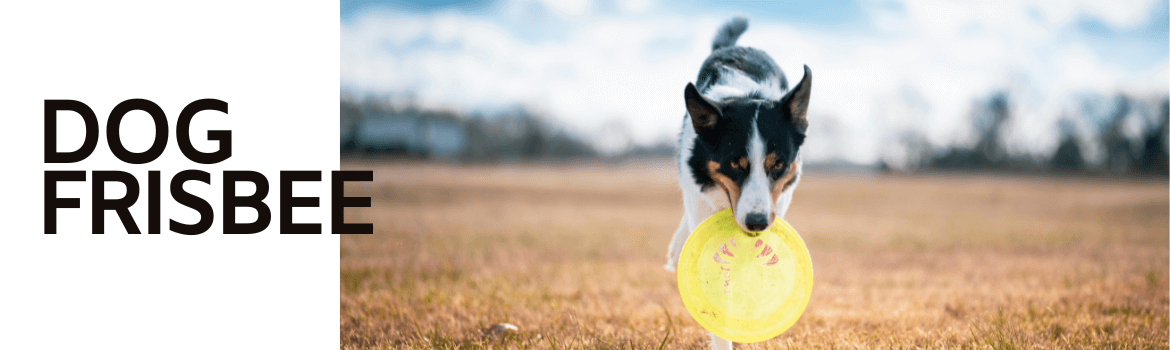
1120,14
570,8
635,6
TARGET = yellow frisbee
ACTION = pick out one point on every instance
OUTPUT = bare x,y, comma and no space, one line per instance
742,288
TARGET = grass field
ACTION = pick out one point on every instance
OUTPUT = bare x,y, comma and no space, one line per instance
573,256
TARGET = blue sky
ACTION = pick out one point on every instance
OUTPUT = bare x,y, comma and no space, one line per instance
881,67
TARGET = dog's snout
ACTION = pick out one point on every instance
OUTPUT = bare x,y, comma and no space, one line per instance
756,222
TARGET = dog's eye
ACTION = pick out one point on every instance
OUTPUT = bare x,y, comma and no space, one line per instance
773,164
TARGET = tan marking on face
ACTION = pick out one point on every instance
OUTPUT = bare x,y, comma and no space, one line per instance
773,163
784,182
741,164
729,186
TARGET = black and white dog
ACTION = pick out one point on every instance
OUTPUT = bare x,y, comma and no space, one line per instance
740,141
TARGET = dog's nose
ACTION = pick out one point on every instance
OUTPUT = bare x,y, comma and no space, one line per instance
756,222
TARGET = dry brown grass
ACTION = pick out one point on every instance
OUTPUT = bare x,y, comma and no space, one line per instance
573,255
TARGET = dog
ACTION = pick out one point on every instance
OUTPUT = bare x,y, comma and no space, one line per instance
740,142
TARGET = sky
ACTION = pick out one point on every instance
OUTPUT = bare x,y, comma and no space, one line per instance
881,68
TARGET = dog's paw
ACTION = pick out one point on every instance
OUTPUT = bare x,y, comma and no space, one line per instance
671,265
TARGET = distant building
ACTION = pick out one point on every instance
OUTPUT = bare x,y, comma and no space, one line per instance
411,134
443,138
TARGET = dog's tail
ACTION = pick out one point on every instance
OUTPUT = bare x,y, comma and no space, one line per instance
729,33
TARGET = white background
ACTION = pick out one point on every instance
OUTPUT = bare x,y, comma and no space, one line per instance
276,65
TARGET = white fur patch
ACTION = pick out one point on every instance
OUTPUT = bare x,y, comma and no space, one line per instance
755,196
735,83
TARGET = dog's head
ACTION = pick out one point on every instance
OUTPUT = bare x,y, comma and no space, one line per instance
747,146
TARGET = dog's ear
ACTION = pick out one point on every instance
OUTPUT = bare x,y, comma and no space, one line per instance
797,100
704,114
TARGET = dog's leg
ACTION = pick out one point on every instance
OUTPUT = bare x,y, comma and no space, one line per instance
718,343
676,245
